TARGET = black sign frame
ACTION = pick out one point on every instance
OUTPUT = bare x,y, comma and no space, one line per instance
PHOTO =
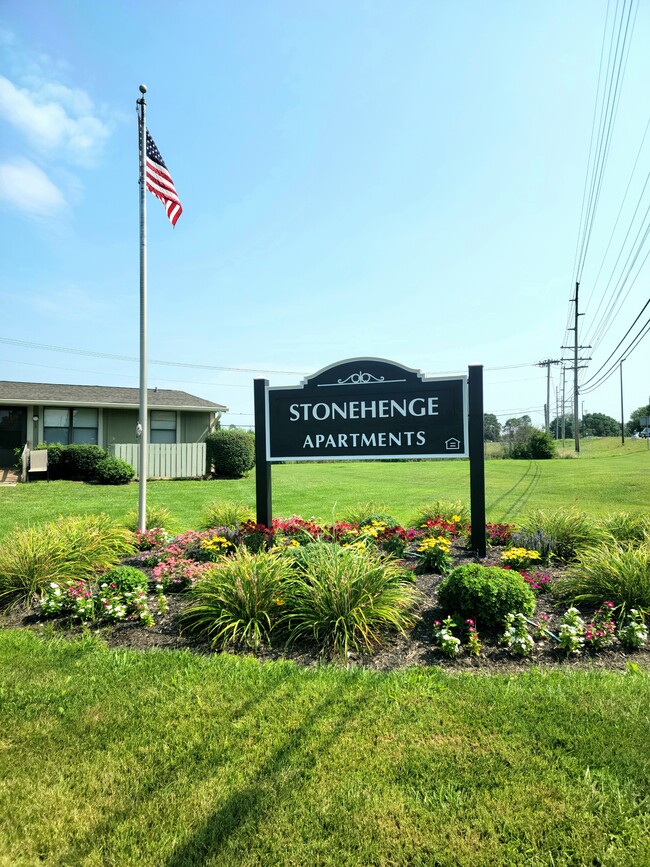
367,409
382,405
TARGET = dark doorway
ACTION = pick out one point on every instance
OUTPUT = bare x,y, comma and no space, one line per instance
13,433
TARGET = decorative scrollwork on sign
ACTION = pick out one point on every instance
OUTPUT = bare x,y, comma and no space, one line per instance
360,378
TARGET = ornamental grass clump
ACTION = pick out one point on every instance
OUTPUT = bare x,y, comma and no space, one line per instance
616,572
226,514
569,531
239,602
453,513
486,594
345,599
628,527
156,517
60,551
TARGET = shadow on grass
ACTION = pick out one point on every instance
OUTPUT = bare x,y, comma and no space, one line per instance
517,497
269,784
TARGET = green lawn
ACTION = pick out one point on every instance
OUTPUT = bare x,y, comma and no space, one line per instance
164,758
605,477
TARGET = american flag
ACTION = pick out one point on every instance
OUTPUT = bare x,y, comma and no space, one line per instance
159,181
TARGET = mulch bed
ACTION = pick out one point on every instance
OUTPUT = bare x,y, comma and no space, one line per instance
416,648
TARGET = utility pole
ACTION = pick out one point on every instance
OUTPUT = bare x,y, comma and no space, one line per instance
576,368
547,411
563,406
622,415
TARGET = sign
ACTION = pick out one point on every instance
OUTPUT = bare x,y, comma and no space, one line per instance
367,409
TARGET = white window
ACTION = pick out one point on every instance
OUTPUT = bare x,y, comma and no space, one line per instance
162,426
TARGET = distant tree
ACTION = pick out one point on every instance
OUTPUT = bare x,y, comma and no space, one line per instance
597,424
516,432
491,428
634,424
555,427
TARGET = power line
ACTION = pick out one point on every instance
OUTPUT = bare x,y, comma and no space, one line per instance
25,343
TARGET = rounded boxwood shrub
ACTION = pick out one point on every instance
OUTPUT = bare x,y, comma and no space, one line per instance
487,594
78,462
125,578
230,453
113,471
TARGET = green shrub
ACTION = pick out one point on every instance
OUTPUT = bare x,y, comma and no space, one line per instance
79,462
541,445
441,509
125,578
616,572
239,603
113,471
156,516
365,513
486,594
571,531
64,550
54,458
626,527
346,598
230,453
226,514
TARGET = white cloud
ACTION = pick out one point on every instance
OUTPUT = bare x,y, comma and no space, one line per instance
54,117
26,187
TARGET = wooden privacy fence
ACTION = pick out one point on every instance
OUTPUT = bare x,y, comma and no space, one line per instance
166,461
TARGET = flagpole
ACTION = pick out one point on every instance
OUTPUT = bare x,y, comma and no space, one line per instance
142,430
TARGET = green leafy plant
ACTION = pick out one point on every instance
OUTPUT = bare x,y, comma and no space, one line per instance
239,602
486,594
616,572
231,453
226,514
473,643
572,632
633,633
346,598
571,531
600,631
60,551
113,471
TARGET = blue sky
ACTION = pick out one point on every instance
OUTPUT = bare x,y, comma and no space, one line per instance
389,179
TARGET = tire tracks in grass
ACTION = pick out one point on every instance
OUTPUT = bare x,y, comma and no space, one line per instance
521,492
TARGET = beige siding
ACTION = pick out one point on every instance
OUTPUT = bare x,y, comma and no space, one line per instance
180,461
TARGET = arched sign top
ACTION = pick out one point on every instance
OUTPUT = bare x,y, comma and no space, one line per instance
362,371
367,409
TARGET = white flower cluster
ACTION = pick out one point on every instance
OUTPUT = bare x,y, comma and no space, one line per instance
448,643
516,637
